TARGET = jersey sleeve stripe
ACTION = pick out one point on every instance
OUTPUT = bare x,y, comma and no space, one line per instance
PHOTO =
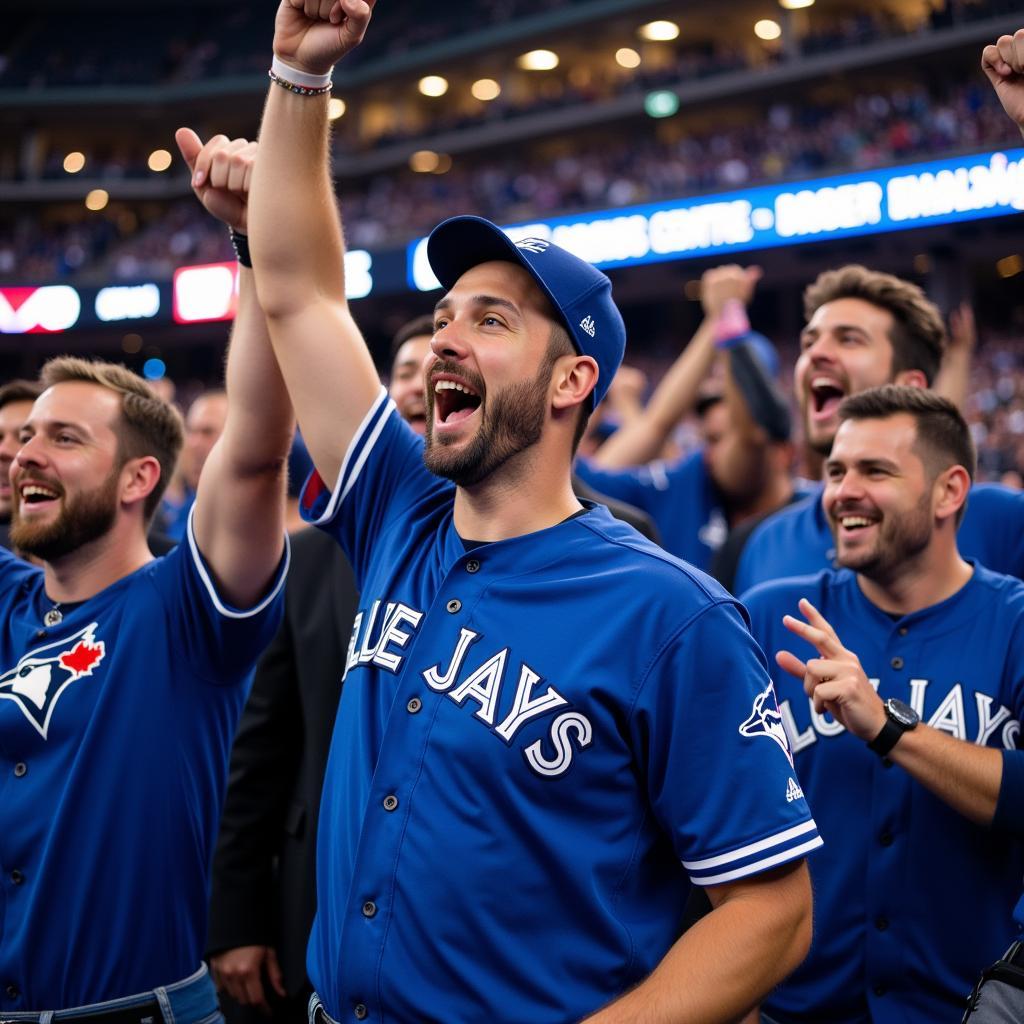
748,851
756,867
204,575
358,450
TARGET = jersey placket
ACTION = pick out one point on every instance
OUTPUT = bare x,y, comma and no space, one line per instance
391,801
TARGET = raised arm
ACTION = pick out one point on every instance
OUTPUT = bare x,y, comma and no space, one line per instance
954,377
296,238
641,440
239,509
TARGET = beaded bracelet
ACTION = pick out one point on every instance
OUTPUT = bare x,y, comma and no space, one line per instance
299,90
240,243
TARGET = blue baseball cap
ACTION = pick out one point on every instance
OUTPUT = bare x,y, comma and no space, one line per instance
580,293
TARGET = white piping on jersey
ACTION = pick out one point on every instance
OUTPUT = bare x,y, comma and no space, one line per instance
232,613
747,851
762,865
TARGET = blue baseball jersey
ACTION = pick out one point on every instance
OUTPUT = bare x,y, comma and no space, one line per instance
797,541
682,499
115,728
911,899
541,744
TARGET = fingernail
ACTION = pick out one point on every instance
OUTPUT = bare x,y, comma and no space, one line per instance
197,179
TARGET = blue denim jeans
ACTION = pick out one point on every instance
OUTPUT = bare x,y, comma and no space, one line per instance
190,1001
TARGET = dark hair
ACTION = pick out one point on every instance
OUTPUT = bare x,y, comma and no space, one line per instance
943,437
148,426
19,391
918,334
421,326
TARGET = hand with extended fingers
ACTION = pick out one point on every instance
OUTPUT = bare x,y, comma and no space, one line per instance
1003,63
221,173
313,35
835,681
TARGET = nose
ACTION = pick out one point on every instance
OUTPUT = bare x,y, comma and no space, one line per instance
448,343
848,487
30,453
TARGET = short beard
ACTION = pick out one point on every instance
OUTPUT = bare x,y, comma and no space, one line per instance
81,520
513,421
899,544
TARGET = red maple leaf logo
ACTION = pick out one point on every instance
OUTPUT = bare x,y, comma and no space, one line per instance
82,657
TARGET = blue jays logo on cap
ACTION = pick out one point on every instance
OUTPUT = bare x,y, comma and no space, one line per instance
36,683
765,720
580,293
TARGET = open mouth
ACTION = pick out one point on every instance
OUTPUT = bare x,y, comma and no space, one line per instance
36,495
853,525
454,401
826,394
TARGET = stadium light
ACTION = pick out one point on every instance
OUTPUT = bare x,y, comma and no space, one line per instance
131,344
1010,266
154,369
335,108
74,162
662,103
627,57
767,29
159,160
433,85
96,200
538,60
424,161
795,5
659,31
485,89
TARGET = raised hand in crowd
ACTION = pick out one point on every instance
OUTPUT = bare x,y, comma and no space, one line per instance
1003,62
221,171
313,35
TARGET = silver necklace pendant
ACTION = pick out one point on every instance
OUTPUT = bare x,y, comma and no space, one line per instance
53,617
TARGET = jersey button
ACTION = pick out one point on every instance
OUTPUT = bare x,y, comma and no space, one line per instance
454,605
361,1012
879,990
369,908
472,565
903,631
20,769
885,839
390,802
882,923
17,877
897,662
414,705
12,991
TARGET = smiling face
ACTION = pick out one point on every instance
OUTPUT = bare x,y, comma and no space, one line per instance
845,349
65,476
488,374
406,385
12,418
878,496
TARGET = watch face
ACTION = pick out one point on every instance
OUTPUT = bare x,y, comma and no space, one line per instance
902,714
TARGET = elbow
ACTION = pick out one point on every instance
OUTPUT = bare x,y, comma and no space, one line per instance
799,924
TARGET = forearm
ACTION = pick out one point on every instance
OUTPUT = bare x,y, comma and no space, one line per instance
962,774
641,440
728,961
294,227
953,378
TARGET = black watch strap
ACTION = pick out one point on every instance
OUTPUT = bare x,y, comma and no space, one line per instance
887,738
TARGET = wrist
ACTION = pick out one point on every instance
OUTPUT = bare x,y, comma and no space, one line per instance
301,71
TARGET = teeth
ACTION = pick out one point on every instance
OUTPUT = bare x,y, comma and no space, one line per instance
451,385
31,489
849,522
825,382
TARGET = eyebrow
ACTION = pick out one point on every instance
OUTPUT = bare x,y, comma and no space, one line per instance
882,463
482,300
55,425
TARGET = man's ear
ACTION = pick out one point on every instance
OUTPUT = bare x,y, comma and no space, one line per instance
138,478
572,381
950,489
911,379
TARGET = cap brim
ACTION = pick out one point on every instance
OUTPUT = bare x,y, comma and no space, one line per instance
461,243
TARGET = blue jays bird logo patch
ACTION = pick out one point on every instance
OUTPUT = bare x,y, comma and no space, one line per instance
36,683
765,720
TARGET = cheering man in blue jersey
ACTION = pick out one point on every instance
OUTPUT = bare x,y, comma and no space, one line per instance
122,676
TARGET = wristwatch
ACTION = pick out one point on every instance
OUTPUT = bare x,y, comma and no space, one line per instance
900,718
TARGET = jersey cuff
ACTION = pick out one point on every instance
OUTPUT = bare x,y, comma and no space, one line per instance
204,574
317,504
754,858
1009,816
